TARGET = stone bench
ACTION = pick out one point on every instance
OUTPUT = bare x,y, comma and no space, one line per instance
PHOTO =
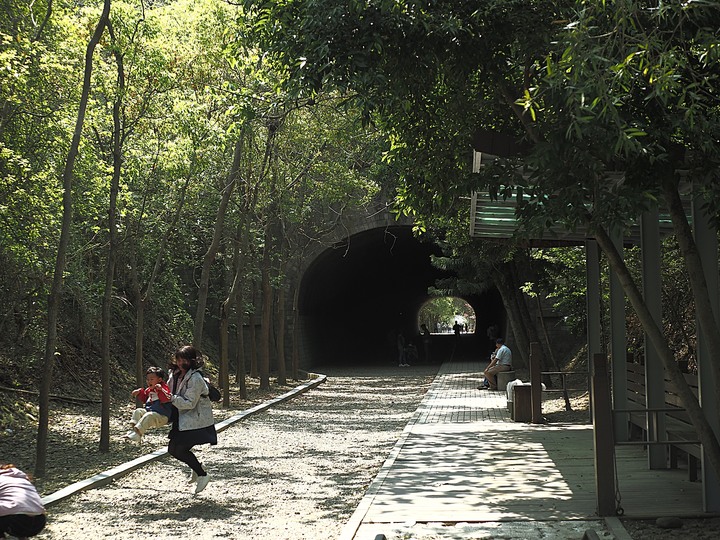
503,378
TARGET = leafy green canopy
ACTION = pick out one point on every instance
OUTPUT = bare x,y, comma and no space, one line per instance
590,86
430,73
626,100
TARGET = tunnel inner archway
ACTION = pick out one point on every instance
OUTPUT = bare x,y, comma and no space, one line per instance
354,298
441,314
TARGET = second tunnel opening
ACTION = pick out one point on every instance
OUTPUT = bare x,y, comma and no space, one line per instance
355,298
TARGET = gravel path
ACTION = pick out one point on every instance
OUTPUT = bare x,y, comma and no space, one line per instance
294,472
297,471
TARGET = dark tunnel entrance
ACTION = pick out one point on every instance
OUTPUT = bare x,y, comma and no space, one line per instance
354,299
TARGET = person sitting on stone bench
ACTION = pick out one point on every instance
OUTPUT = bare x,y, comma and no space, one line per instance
500,360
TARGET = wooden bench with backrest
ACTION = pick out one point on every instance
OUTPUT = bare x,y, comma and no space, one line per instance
680,432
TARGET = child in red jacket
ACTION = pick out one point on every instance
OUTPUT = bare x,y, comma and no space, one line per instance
157,409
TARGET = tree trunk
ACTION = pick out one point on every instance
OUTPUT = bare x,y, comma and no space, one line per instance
252,332
698,283
139,323
266,309
281,311
528,323
657,338
215,245
232,300
241,248
106,319
240,352
142,297
117,138
223,379
504,286
282,369
56,290
296,334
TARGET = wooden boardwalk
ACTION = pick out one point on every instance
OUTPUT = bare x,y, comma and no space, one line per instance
462,459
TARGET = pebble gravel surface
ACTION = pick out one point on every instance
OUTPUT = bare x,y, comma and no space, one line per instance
296,471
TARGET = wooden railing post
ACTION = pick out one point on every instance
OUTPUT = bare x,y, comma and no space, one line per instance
603,437
536,382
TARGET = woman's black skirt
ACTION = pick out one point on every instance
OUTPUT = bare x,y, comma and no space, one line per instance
193,437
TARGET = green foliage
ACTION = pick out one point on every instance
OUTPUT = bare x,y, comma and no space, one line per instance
608,100
426,72
35,80
563,277
370,98
194,86
592,87
627,89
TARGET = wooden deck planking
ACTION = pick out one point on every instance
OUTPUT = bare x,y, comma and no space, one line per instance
462,460
509,471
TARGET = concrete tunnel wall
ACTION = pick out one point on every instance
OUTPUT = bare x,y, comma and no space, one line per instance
355,297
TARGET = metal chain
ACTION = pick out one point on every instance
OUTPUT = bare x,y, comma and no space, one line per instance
619,510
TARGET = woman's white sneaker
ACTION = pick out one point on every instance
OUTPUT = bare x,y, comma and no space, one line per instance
202,482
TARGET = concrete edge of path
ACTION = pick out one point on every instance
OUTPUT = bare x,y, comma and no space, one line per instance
617,529
110,475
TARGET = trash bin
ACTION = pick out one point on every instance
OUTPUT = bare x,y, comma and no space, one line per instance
509,392
522,403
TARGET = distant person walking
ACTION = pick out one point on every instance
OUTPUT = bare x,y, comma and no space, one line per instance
492,332
192,415
500,360
411,354
457,328
425,336
402,358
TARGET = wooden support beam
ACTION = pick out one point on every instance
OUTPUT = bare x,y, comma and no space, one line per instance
707,245
618,344
594,318
654,370
603,440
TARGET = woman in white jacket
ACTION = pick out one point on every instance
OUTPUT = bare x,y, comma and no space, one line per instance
192,415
